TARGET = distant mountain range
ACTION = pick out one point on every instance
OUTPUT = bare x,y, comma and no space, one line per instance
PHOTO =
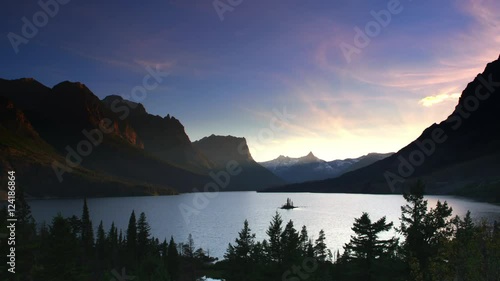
221,148
64,141
460,155
310,167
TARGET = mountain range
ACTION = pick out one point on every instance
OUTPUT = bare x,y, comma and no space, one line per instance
64,142
460,155
310,167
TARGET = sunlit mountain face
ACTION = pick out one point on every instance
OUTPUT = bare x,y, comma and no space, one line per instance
335,74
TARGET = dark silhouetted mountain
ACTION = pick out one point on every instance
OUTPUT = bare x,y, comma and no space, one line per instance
65,118
163,137
61,113
462,151
23,151
14,120
309,167
222,150
363,161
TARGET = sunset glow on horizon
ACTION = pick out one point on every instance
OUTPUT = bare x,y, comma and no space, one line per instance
234,76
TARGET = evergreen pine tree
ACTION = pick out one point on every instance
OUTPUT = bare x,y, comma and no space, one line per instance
243,244
274,242
113,244
310,249
366,248
258,254
290,243
423,231
25,236
131,243
100,243
465,252
143,234
87,232
303,238
173,260
164,250
120,238
76,225
320,249
59,261
188,248
239,256
132,234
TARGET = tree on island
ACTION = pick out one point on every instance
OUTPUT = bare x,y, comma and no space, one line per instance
288,205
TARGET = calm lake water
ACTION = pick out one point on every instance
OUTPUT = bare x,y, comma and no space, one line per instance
218,224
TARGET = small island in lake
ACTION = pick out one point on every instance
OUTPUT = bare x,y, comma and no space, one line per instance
289,205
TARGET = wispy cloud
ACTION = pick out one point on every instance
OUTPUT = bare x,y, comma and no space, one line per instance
452,58
432,100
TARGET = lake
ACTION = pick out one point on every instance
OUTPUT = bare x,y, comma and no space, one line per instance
216,222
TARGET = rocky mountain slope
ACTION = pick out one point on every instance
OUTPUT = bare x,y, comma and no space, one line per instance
65,141
223,150
459,155
163,137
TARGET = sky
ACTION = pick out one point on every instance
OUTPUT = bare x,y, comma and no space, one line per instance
338,78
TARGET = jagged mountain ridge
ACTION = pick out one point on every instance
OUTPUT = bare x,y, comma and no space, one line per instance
125,159
163,137
465,152
22,150
310,167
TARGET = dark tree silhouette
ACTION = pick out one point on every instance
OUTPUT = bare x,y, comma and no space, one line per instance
274,234
424,231
365,248
320,248
173,260
131,240
290,244
87,232
143,235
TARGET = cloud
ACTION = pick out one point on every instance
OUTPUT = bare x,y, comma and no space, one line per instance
451,58
401,83
432,100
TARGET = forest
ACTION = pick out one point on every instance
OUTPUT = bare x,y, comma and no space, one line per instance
431,245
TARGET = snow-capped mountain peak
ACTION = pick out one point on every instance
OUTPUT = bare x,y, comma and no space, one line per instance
310,167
